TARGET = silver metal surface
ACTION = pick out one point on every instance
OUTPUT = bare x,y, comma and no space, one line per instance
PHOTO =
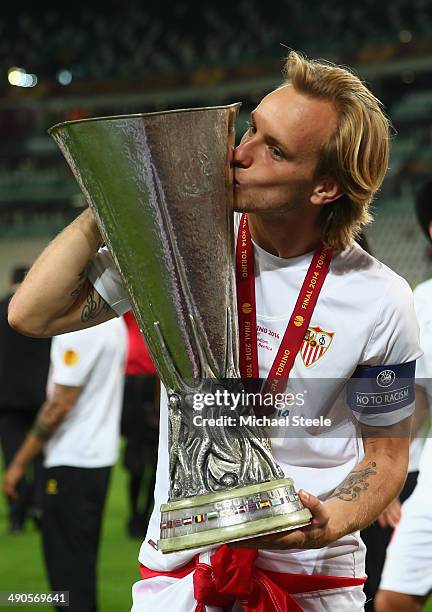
160,186
239,513
239,508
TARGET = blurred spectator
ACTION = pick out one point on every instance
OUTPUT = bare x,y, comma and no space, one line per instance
423,207
407,575
377,535
78,428
140,426
24,366
363,241
160,38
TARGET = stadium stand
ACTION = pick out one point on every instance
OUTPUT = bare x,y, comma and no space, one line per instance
98,60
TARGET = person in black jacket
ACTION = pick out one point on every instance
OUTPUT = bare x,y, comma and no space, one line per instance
24,364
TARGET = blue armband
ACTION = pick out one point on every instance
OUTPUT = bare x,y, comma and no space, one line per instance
381,389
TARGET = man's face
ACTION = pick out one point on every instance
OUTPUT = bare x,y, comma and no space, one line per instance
275,162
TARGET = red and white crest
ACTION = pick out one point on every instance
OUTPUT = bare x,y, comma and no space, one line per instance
315,344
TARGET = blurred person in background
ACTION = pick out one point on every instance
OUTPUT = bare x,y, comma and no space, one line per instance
377,535
407,575
140,427
305,173
78,428
24,366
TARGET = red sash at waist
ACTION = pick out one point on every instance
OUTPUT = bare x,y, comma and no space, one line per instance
232,576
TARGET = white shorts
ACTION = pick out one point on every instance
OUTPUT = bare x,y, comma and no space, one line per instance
408,564
167,594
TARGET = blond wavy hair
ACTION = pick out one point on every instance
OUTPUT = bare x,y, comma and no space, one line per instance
356,155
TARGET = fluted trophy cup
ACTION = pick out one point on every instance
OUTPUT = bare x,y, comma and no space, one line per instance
160,187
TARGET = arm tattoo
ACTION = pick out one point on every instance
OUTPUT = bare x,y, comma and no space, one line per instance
81,282
95,305
42,431
355,483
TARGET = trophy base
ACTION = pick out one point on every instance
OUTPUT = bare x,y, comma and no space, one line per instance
230,515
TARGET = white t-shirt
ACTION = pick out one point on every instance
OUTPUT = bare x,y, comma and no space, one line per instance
366,313
94,360
423,307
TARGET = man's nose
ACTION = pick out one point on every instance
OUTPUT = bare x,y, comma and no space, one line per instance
242,156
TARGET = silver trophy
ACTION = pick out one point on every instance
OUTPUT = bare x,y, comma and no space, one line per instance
160,186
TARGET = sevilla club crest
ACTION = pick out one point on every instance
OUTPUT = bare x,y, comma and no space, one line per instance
315,344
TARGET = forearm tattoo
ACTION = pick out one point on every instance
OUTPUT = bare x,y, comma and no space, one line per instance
42,431
95,306
355,483
81,282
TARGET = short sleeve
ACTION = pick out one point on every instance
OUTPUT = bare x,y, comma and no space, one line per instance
395,337
381,391
106,279
73,357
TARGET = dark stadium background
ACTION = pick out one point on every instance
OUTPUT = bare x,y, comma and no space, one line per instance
67,61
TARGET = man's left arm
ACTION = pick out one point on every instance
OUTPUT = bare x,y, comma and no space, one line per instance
358,500
49,418
379,477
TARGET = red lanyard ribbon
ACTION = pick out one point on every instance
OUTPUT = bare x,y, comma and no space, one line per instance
299,320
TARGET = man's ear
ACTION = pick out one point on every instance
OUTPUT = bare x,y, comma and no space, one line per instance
430,229
327,190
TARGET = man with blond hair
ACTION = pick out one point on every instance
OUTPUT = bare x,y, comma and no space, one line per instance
305,172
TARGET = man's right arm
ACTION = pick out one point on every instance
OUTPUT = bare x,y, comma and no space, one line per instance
56,296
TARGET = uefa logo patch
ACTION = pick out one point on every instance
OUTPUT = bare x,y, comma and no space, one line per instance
70,357
315,344
385,378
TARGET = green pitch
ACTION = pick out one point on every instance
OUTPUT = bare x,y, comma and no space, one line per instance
22,567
